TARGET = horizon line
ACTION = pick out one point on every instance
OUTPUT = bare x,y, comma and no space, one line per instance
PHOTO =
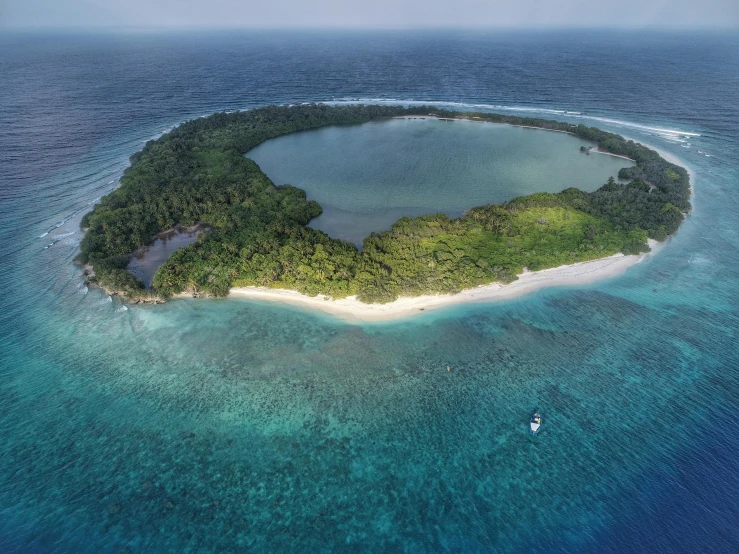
478,28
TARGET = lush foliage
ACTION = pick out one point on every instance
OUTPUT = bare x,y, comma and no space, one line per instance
197,173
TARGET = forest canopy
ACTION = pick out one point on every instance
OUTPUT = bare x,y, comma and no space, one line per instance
197,173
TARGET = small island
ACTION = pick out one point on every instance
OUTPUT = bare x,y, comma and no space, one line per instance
257,233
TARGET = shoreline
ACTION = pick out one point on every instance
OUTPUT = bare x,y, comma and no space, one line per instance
478,120
594,149
352,310
607,153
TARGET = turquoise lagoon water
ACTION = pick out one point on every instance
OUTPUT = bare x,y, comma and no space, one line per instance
368,176
230,425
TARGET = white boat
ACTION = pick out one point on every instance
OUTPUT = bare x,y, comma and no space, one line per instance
535,423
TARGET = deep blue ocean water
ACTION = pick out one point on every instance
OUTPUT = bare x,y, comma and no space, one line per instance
244,426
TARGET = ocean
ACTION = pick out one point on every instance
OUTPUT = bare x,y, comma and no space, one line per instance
235,425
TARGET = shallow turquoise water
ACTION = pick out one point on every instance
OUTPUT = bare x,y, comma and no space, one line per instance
239,423
368,176
233,425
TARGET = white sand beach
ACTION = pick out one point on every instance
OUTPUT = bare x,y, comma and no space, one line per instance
351,309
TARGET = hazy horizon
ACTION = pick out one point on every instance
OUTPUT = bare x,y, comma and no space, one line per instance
360,14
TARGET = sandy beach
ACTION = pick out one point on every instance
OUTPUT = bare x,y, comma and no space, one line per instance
351,309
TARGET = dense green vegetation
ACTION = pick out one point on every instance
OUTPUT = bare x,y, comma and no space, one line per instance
197,173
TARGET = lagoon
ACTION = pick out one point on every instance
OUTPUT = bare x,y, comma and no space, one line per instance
368,176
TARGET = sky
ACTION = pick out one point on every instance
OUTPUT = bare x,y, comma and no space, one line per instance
368,13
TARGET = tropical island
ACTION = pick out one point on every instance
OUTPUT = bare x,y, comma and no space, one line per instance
257,233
